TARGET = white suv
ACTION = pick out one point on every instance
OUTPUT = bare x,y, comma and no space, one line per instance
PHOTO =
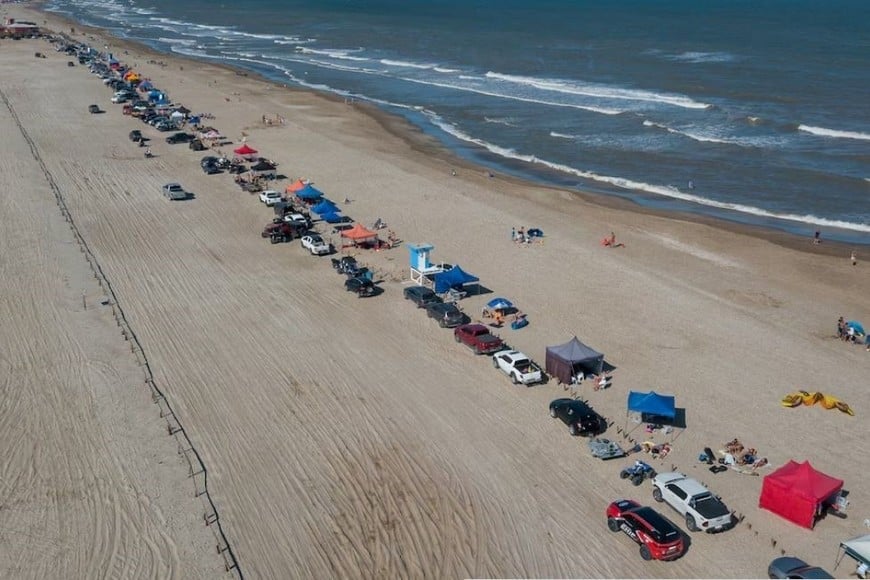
270,197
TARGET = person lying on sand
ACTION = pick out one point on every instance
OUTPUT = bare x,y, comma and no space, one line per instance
610,242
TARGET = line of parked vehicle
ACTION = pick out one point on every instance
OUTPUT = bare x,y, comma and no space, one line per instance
657,537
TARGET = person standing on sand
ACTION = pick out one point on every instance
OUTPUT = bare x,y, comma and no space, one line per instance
817,239
854,258
513,234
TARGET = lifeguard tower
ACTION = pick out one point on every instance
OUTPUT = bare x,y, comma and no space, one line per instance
422,270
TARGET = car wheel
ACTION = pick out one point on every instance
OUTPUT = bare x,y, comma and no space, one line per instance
514,379
690,523
645,553
442,324
612,525
637,479
657,495
456,338
552,412
573,429
623,474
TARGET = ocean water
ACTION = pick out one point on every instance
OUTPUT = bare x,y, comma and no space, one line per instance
749,111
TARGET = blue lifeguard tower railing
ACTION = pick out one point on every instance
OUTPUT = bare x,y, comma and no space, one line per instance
422,270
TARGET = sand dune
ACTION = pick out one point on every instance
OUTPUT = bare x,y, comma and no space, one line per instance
354,438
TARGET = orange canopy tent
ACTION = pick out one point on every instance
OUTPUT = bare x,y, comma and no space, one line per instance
295,186
359,234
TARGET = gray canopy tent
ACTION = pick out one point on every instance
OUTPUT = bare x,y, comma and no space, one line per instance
564,361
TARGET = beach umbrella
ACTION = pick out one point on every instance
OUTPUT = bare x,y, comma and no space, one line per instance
856,326
499,304
245,151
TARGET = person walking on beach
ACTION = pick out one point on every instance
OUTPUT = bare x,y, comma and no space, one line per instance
513,234
854,258
817,239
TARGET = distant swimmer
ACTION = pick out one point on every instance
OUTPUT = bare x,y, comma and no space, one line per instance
691,184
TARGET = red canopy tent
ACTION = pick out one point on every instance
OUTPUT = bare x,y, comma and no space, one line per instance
798,492
245,151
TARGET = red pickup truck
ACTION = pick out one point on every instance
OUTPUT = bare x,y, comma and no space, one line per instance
478,337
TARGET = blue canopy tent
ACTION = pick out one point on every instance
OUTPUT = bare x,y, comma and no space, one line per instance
655,408
331,217
325,206
453,278
652,404
309,193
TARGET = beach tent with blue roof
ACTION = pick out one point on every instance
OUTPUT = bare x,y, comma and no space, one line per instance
455,277
309,193
325,206
652,403
331,217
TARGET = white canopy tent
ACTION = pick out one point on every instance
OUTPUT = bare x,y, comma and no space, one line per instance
857,548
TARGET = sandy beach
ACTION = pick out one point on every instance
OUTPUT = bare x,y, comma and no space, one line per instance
355,438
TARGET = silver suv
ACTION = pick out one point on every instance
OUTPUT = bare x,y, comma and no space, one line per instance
174,191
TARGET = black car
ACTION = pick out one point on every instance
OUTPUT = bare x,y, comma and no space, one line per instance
362,286
179,138
344,262
791,567
210,168
447,315
135,136
421,296
94,109
578,416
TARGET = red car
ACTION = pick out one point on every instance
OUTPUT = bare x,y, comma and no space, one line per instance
659,539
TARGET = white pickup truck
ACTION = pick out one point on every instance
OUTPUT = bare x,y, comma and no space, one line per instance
703,510
518,366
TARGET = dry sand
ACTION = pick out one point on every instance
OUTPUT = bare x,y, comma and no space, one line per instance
354,438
